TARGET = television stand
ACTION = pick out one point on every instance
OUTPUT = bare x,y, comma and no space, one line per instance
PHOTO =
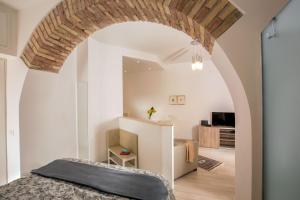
216,136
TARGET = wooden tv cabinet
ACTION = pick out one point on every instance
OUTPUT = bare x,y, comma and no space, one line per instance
216,136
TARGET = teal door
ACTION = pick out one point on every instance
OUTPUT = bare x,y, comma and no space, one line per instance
281,105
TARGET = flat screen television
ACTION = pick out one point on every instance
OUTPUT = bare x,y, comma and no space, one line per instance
223,119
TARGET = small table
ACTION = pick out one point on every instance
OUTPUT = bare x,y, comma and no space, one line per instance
122,160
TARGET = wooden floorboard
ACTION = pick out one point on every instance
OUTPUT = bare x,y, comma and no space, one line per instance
217,184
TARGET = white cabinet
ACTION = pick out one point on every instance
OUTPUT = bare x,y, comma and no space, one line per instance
8,30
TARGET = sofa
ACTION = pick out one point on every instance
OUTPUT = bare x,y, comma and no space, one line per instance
181,166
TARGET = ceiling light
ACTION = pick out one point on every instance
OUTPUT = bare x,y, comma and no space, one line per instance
197,66
197,61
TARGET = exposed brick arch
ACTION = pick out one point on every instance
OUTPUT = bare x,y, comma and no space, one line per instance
72,21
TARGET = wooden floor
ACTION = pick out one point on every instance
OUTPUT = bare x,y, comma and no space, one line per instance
218,184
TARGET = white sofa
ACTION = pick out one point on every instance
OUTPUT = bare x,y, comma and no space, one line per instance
181,166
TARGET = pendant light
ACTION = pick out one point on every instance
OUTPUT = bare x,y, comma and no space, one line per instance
197,60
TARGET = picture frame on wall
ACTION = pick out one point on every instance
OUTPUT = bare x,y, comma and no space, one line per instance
177,100
181,100
173,100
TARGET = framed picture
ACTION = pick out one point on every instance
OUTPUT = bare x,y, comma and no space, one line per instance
181,99
173,100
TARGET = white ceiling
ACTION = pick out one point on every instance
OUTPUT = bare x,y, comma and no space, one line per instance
157,39
133,65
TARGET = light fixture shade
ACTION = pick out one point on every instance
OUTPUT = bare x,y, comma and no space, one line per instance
197,66
197,61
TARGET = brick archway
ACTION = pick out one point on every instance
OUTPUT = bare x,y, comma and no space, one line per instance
72,21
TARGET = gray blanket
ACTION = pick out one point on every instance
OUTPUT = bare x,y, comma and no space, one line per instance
126,184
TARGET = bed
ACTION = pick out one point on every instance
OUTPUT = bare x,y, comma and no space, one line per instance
56,186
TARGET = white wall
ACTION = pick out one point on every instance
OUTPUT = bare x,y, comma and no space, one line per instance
48,108
16,73
82,101
82,121
105,101
3,166
243,144
8,33
82,62
205,92
155,145
48,116
105,91
18,28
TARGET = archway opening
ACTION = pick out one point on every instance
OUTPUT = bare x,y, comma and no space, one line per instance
71,22
162,70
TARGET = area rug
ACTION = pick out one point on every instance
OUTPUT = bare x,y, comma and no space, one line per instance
207,163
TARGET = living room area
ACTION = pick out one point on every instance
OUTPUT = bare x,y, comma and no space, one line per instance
204,144
197,102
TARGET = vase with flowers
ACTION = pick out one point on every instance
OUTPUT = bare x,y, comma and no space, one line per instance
150,112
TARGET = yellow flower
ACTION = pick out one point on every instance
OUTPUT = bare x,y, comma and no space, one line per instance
151,111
